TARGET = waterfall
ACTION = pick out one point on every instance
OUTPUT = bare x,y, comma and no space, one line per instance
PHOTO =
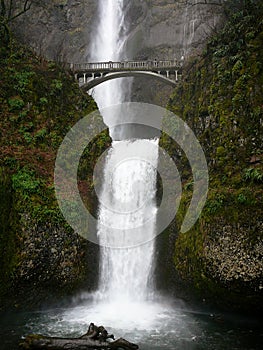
127,196
129,191
190,20
110,35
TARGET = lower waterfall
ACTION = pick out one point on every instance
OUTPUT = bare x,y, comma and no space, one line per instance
127,202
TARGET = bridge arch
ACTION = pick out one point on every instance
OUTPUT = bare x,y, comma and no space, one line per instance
114,75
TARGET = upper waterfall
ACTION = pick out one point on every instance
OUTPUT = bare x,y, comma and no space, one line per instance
110,35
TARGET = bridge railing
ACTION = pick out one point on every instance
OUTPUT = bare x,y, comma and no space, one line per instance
125,65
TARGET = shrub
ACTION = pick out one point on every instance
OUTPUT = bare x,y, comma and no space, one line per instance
25,181
15,103
253,175
22,80
213,205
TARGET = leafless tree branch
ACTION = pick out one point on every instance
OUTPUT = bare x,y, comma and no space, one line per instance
27,6
9,11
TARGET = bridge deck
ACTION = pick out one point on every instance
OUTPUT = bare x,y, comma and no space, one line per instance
125,66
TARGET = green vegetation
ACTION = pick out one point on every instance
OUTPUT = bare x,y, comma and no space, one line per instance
40,102
253,175
221,99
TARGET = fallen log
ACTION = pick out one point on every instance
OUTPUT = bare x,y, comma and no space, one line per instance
95,338
36,341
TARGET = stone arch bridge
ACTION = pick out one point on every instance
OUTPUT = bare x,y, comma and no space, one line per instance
90,75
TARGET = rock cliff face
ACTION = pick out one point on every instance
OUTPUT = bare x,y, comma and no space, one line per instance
51,262
63,29
58,29
166,29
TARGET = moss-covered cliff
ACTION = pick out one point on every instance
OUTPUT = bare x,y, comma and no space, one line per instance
220,98
39,252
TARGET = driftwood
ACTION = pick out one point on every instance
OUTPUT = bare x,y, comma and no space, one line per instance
95,338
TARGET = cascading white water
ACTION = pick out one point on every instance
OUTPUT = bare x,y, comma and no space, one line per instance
128,201
190,17
127,197
109,39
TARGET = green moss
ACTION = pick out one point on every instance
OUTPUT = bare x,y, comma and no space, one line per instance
39,105
221,99
189,258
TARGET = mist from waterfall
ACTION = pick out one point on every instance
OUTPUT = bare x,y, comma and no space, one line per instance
127,197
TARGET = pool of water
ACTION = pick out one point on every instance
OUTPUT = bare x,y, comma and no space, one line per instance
152,325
